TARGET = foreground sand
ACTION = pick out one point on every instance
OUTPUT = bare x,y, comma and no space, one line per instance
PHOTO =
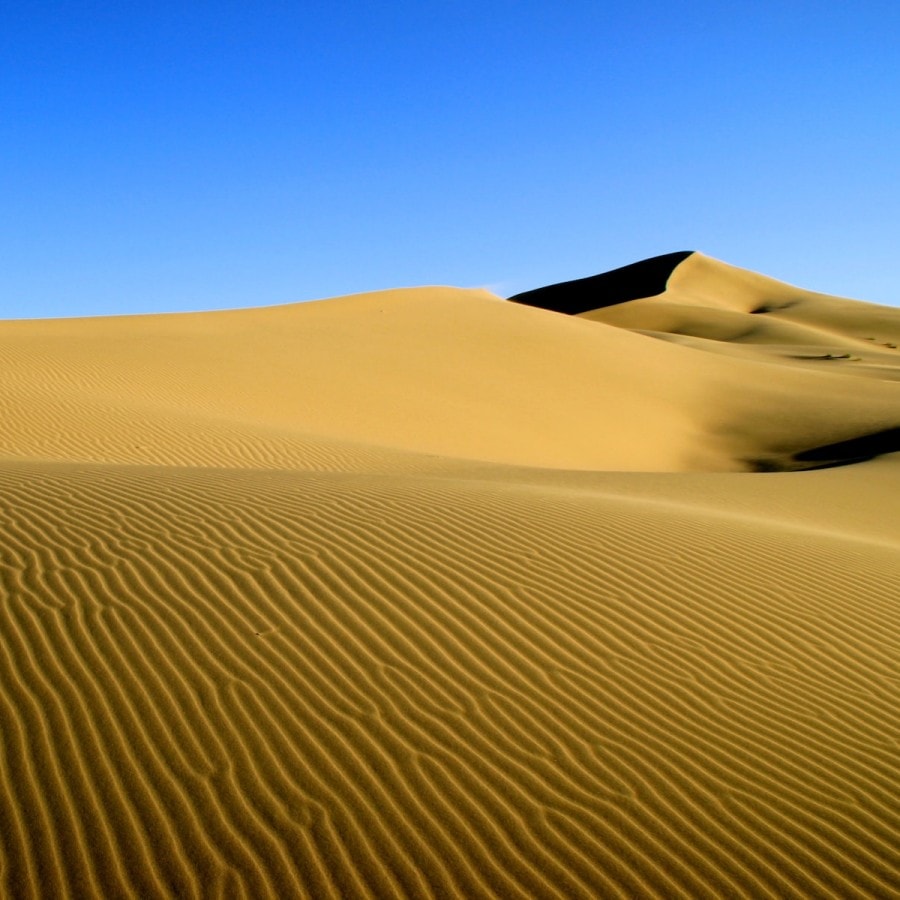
424,593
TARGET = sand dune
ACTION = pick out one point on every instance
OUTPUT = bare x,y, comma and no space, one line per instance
423,593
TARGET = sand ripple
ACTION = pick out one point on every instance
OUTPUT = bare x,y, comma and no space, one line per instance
277,684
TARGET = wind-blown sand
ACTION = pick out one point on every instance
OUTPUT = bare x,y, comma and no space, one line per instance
425,593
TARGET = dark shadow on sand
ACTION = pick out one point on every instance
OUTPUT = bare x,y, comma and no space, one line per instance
858,449
641,279
828,456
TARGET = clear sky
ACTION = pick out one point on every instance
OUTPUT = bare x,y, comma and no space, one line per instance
195,155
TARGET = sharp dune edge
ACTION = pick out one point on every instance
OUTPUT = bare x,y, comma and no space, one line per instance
424,593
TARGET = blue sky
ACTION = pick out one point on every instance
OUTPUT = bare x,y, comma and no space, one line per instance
193,155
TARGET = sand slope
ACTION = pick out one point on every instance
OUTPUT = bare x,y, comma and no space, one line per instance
427,594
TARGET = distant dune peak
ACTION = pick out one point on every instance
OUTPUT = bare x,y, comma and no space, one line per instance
632,282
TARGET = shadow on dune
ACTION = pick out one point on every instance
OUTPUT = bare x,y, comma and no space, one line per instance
641,279
842,453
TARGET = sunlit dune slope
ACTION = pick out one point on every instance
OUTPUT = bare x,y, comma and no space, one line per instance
424,593
438,371
702,304
749,315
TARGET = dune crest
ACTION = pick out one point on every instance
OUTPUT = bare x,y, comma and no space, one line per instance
424,593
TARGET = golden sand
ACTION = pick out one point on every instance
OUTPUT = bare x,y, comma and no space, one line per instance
422,593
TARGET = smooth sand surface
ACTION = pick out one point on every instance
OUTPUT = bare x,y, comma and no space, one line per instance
423,593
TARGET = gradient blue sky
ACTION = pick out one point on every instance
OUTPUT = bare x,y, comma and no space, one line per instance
195,155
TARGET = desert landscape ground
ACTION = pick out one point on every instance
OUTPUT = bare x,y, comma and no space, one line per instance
591,592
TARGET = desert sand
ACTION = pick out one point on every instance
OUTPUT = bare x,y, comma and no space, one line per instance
592,592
